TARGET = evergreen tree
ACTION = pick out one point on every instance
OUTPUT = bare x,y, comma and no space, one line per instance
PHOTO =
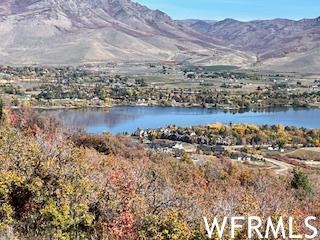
301,180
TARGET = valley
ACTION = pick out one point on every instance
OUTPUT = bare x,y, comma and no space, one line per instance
119,122
157,84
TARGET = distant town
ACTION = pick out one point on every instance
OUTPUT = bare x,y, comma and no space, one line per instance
157,85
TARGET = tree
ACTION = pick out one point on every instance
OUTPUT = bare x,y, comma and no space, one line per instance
281,143
1,108
301,180
185,157
141,82
171,226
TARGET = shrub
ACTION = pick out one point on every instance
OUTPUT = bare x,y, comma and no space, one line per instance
301,180
95,141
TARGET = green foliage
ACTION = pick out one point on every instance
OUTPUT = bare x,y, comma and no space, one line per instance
217,68
10,89
41,191
199,233
301,180
227,153
141,82
100,143
54,186
241,134
170,227
281,143
80,87
186,158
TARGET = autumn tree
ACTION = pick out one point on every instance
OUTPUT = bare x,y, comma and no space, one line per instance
58,184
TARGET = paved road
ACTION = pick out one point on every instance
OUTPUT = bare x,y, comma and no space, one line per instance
282,167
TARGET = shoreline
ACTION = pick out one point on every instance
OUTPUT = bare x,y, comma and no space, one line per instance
159,105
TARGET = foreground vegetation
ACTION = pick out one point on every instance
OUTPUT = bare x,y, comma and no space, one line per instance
62,184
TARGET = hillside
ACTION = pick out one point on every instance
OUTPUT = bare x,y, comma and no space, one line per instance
279,44
73,32
62,184
101,31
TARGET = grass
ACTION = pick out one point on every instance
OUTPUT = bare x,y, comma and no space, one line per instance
217,68
178,80
306,154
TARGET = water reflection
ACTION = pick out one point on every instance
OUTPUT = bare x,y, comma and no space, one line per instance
94,117
123,119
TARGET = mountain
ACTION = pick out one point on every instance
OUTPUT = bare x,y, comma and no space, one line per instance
279,44
193,22
94,31
101,31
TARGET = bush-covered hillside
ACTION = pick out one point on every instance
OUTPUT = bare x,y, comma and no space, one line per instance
62,184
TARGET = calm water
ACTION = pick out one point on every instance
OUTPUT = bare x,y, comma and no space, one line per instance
128,119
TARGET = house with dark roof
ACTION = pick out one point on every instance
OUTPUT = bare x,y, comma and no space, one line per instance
207,149
241,156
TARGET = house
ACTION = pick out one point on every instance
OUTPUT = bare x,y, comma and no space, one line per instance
160,147
241,156
176,145
146,141
26,98
224,141
207,149
193,134
190,75
166,147
218,149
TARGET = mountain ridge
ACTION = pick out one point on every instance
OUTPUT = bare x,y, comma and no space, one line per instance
100,31
278,43
54,31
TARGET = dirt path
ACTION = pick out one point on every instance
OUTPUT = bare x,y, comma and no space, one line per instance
281,167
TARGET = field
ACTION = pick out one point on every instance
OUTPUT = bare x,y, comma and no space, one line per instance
177,79
305,154
188,85
217,68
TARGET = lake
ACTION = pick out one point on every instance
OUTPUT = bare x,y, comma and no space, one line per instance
128,119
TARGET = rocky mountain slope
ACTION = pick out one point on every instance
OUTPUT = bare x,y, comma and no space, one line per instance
83,31
100,31
279,43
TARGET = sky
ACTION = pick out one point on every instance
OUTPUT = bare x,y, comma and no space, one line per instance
244,10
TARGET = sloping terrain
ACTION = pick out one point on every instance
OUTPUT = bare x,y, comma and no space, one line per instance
101,31
280,44
67,32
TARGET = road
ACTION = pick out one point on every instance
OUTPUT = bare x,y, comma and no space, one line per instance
282,167
200,160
